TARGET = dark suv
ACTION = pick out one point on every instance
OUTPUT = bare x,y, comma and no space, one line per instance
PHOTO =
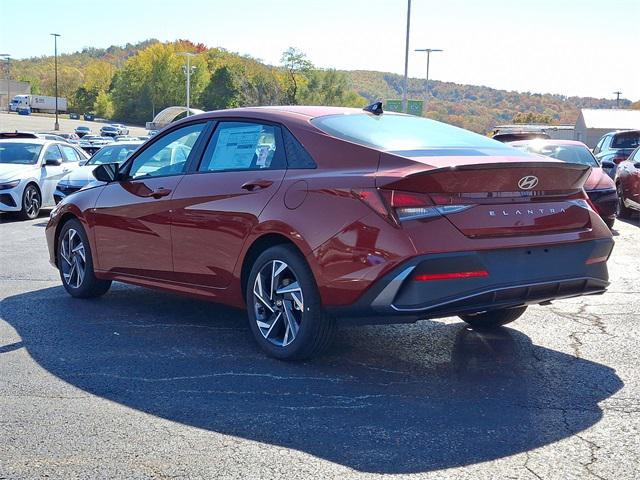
614,148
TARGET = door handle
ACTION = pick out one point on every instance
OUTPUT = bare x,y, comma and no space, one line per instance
159,192
256,185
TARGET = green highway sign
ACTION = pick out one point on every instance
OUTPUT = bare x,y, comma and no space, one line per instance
393,106
414,107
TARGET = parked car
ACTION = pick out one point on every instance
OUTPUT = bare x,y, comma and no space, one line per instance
74,116
52,136
69,137
92,143
615,147
29,171
109,131
515,135
80,177
82,130
628,184
599,187
89,117
122,129
306,215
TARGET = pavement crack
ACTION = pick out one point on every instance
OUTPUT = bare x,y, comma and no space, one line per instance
528,468
593,449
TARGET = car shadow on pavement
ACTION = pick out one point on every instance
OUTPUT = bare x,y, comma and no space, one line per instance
386,399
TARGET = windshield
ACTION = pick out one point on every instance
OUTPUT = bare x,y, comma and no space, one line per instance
19,153
626,140
112,154
403,133
566,153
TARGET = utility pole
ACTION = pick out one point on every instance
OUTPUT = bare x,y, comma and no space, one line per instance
405,85
617,94
56,126
8,58
428,50
187,71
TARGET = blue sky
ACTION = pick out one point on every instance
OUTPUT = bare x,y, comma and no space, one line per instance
571,47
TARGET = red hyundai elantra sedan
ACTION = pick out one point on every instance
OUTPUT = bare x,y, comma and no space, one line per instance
305,215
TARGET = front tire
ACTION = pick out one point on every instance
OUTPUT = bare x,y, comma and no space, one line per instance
493,318
31,203
75,263
284,308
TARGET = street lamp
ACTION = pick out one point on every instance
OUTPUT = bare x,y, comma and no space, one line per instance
405,83
428,50
55,59
8,58
187,70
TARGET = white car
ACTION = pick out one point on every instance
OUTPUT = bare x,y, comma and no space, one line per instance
30,169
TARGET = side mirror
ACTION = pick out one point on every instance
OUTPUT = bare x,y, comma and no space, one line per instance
107,172
54,162
637,165
608,164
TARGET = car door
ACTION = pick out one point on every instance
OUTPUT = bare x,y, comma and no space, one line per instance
131,216
53,169
217,206
632,178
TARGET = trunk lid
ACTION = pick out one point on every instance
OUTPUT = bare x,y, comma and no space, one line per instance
505,196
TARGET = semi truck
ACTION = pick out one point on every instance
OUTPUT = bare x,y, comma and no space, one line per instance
38,103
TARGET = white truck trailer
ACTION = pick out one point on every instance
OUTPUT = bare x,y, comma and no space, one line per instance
39,103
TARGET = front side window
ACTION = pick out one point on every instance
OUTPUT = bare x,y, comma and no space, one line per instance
19,153
70,154
53,153
168,155
242,146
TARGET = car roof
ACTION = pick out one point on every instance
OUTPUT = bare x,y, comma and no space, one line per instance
614,132
40,141
546,141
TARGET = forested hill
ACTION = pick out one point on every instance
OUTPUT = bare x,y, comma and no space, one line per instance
475,107
130,83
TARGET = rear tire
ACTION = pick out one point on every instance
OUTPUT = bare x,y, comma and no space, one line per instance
75,263
493,318
284,307
31,203
623,211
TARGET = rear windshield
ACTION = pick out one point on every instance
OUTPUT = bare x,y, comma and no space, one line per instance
566,153
19,153
626,140
402,133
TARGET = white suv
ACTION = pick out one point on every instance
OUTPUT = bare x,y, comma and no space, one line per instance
29,171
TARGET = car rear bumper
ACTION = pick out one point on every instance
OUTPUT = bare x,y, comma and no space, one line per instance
606,202
514,277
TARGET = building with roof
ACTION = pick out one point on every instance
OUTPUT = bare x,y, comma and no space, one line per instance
12,88
593,123
168,115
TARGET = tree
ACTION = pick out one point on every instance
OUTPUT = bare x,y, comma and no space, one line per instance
103,106
297,65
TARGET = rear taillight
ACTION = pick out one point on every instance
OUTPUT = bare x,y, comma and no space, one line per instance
398,206
618,159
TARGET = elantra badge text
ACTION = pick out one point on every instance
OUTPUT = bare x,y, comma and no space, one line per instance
529,211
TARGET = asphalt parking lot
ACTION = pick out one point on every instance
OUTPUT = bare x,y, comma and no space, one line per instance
142,384
44,123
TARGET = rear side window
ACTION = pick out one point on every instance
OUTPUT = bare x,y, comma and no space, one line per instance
626,140
243,146
297,156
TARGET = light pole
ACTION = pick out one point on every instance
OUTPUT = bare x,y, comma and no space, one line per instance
617,94
188,73
405,83
56,126
428,50
8,58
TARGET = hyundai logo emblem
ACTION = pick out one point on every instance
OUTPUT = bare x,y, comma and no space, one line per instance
528,182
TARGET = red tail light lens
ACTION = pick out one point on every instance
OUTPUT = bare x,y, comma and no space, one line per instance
618,160
425,277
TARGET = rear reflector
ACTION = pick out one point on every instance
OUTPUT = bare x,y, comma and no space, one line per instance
425,277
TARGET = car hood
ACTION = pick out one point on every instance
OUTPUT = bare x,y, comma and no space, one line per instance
79,176
598,180
9,171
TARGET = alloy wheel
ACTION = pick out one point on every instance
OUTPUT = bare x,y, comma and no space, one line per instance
74,262
278,303
31,202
